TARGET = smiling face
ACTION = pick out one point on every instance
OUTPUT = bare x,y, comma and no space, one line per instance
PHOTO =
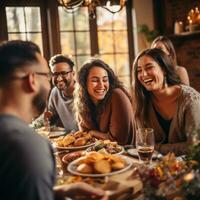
63,75
150,74
97,84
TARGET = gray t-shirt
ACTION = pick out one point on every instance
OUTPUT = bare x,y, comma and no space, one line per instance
27,169
62,109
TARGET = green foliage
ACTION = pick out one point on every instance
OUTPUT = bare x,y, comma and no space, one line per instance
149,34
192,188
195,154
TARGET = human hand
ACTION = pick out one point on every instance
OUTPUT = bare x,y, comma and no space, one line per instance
99,135
80,191
48,114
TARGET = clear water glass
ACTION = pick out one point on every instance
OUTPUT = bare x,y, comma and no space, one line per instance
145,142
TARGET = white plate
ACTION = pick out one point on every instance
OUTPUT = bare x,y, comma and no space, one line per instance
75,148
119,153
133,152
56,133
72,168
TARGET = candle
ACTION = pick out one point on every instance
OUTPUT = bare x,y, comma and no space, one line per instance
178,27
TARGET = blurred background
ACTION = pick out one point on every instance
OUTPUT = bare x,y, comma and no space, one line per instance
93,30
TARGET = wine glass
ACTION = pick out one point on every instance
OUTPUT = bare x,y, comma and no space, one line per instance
145,144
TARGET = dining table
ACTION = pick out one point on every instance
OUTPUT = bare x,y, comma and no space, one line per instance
127,184
120,186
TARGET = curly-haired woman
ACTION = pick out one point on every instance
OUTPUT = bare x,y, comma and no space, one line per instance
103,106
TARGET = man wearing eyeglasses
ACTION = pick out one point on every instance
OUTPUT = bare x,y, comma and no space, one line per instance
61,99
27,169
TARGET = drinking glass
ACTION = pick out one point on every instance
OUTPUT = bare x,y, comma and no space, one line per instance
145,144
47,126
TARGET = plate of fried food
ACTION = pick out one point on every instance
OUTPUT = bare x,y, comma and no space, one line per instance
106,147
95,164
75,141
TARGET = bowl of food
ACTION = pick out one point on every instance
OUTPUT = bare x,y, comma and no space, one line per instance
106,147
75,141
69,157
95,164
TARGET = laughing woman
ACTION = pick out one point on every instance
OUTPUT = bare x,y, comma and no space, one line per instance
103,106
163,103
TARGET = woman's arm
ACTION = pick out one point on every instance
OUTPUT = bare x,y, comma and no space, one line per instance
191,125
85,126
121,120
180,148
99,135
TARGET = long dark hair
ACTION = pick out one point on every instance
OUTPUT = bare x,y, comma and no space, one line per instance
142,96
84,106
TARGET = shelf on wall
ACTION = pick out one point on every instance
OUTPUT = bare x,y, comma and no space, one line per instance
188,34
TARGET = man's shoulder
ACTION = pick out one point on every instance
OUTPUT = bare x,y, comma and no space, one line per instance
55,95
54,91
9,122
23,140
18,132
28,156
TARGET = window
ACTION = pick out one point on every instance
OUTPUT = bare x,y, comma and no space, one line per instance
24,23
75,34
47,24
111,39
113,42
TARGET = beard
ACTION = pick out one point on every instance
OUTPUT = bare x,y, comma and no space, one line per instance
40,100
63,85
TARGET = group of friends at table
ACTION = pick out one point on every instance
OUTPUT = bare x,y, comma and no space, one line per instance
95,101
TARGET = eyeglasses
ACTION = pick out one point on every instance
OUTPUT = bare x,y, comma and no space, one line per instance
47,74
63,74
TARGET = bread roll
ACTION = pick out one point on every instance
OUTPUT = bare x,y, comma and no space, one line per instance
102,167
118,165
85,168
81,160
94,156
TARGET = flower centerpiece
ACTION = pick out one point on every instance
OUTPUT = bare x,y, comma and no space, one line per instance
174,178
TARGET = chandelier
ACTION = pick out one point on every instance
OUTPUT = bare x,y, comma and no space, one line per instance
113,6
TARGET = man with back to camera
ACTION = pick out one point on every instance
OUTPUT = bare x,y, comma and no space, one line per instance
60,103
27,170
